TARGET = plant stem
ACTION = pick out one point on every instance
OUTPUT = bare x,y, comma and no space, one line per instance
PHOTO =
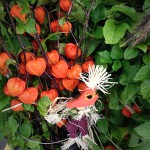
86,22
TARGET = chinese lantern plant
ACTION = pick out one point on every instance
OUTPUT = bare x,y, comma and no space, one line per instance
45,47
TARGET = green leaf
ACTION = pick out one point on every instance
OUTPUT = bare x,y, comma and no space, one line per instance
61,48
53,36
93,145
146,5
4,101
129,92
2,12
129,11
119,133
77,13
8,40
143,73
116,52
116,65
10,62
98,13
98,33
145,88
18,141
112,32
25,129
130,72
142,47
146,59
42,2
105,57
92,46
102,125
30,26
12,124
43,103
130,53
32,1
33,144
62,21
143,130
134,141
20,29
25,6
113,99
28,107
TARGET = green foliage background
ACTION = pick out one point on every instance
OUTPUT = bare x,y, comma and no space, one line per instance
101,34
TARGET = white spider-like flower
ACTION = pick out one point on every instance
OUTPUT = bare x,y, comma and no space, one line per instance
97,78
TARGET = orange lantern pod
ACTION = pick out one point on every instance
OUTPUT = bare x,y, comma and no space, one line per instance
29,95
70,84
6,90
16,12
85,65
58,82
62,122
52,94
38,28
53,57
82,87
36,66
54,26
59,70
65,5
15,86
39,13
22,69
28,55
16,102
35,45
3,58
66,27
74,72
71,50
